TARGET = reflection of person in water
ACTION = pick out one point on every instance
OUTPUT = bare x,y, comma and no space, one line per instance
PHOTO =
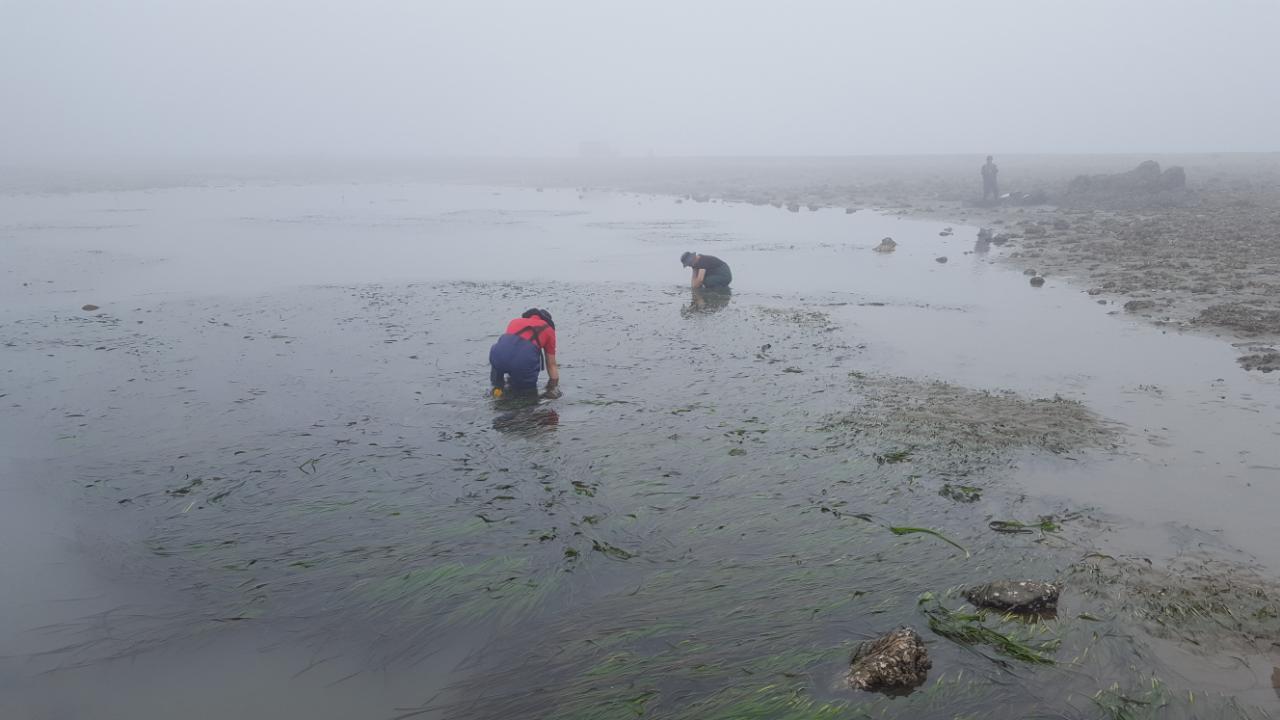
707,301
530,420
708,271
520,354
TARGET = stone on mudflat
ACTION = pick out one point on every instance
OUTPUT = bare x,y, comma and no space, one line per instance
895,661
1020,596
886,245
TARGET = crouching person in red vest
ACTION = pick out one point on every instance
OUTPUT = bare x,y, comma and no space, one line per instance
517,358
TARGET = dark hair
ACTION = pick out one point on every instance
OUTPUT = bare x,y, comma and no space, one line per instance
687,258
546,316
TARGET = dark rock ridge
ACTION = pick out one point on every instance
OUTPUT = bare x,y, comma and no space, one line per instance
1143,186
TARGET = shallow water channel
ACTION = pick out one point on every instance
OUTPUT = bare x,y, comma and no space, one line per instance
262,478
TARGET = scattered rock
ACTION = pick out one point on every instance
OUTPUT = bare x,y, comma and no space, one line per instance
1018,596
1035,197
1035,231
1266,362
793,207
941,259
1037,281
985,235
1095,291
898,660
1030,271
1245,318
813,207
886,245
89,308
1061,224
1138,305
850,211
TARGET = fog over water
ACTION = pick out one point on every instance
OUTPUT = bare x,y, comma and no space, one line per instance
141,78
260,458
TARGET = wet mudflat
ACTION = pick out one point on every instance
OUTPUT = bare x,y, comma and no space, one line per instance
262,476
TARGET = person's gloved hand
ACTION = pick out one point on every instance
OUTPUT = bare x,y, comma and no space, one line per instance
553,390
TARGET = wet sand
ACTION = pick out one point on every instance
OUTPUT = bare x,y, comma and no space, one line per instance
269,446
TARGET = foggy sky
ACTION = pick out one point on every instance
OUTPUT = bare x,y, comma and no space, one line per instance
154,78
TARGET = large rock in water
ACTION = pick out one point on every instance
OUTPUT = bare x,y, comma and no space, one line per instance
1018,596
896,661
1142,186
1174,178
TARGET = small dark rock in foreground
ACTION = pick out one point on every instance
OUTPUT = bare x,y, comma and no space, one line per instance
1020,596
89,308
896,661
1037,281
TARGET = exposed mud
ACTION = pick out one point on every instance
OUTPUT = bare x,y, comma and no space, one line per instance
734,492
785,521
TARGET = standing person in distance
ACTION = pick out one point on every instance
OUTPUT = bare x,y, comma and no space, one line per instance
989,186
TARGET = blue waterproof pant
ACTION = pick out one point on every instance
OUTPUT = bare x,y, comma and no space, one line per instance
720,279
515,358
